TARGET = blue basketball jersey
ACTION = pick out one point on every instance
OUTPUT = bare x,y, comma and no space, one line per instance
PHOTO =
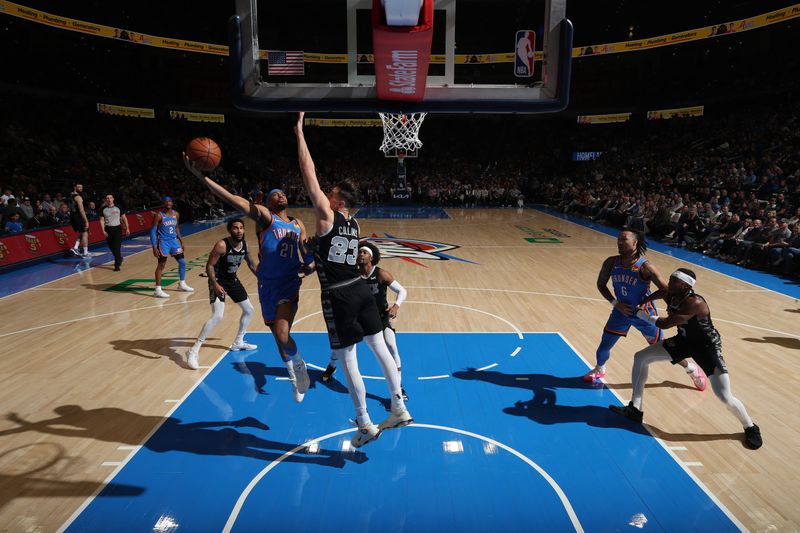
279,249
167,229
629,287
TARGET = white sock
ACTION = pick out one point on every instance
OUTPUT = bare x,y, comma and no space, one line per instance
377,344
77,243
691,368
85,250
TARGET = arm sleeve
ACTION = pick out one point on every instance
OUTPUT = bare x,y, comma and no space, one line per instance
153,239
400,291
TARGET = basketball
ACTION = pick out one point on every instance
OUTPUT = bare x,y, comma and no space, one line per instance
204,153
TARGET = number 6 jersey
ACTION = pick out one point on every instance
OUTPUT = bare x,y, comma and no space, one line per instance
336,251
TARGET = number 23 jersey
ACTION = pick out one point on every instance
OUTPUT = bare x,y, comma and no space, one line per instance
336,251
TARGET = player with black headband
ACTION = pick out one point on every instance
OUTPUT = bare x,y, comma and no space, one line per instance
697,338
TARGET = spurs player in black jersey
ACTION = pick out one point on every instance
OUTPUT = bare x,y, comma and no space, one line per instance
223,281
378,280
697,338
347,304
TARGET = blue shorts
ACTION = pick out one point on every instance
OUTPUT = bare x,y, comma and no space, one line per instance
274,292
619,324
170,247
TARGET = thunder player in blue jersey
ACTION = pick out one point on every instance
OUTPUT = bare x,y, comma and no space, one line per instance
281,241
165,236
631,273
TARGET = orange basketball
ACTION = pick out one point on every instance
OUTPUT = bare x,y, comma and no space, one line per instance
204,152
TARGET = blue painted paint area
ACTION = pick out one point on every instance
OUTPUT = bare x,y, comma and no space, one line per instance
760,279
241,419
402,211
53,269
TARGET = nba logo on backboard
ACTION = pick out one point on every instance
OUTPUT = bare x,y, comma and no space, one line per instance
523,61
61,237
33,242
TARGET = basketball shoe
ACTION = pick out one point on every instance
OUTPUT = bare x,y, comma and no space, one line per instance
365,435
396,420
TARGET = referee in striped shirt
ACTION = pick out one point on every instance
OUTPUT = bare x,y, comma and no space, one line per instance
114,225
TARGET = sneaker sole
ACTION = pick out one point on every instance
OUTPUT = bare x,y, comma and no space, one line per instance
398,425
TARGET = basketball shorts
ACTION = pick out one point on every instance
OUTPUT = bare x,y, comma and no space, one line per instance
77,224
169,247
274,292
708,357
619,324
233,288
350,314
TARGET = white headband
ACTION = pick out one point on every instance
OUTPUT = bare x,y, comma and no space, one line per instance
365,249
684,277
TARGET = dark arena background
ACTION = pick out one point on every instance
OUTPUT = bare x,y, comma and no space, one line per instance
560,138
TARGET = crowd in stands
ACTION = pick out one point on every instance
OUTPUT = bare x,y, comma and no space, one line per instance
728,186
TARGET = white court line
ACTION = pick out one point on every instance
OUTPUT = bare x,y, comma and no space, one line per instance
128,447
171,401
675,458
672,256
677,448
423,378
515,352
237,508
692,463
315,367
117,470
52,289
101,315
111,463
746,290
487,367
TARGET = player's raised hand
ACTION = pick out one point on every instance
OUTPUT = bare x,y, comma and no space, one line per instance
191,167
298,126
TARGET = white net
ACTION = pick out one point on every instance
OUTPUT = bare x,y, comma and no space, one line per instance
401,132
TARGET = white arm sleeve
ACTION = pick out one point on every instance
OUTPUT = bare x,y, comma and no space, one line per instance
400,291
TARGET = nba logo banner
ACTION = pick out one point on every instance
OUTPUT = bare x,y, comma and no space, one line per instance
526,47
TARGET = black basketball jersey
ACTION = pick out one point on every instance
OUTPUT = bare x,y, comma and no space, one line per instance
697,331
73,208
378,289
335,252
228,264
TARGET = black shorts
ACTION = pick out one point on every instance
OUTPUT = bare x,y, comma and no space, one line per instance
77,224
234,289
350,314
385,320
708,357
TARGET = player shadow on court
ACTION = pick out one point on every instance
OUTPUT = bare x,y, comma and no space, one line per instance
260,371
39,480
792,343
221,438
174,348
544,407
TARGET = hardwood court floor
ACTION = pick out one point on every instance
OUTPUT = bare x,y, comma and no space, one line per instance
74,351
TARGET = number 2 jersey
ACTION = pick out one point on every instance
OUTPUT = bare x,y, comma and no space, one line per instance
278,250
335,252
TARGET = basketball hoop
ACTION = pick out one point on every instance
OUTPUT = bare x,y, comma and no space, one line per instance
401,132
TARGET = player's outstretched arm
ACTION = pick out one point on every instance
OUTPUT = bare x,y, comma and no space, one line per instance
321,203
240,204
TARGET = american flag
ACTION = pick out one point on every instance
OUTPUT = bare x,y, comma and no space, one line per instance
285,63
